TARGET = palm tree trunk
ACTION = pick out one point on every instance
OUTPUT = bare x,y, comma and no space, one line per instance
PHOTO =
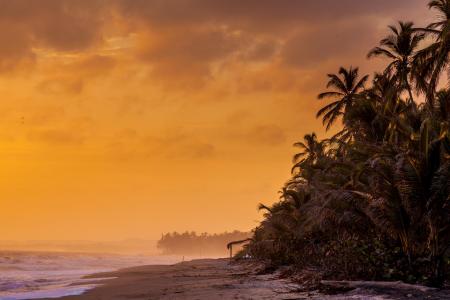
430,97
408,87
433,82
404,78
436,257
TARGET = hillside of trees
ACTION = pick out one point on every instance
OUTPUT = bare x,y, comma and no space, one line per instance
372,201
193,244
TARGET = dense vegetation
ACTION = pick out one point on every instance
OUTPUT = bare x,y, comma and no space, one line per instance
190,243
373,201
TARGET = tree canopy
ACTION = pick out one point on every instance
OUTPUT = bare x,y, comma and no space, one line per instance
373,201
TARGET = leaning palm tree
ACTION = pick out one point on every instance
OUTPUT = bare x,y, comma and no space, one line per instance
432,60
400,47
345,89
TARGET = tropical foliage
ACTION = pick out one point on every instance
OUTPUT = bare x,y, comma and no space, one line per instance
373,200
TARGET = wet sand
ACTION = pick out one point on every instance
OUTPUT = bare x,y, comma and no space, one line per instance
217,279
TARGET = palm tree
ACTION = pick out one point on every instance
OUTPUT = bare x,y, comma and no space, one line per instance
383,182
311,150
400,47
345,89
443,105
432,61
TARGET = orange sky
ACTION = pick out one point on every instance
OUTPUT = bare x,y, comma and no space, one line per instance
128,118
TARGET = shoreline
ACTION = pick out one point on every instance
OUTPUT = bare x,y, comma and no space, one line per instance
208,279
196,279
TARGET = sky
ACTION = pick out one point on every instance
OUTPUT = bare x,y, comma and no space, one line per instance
128,118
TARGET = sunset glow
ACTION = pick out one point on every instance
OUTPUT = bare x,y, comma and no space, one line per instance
126,118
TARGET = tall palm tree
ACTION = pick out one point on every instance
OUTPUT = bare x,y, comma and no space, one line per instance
432,60
346,86
400,47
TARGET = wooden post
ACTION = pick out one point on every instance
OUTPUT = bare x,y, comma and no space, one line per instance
231,252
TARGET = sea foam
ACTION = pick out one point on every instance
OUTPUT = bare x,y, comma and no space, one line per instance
34,275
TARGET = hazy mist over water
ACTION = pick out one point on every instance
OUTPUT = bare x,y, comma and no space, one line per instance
129,246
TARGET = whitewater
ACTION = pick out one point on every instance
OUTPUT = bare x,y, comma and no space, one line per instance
34,275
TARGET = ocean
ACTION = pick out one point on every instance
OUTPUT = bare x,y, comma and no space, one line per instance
34,275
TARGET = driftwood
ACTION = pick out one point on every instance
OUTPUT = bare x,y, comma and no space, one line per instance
341,286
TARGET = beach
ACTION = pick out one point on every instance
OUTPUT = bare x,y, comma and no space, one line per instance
220,279
198,279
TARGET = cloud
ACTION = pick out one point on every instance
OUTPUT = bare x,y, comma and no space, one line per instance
318,45
202,150
179,145
75,75
56,137
271,135
60,25
261,50
174,145
65,25
15,47
255,14
259,135
186,53
57,126
93,65
61,85
194,41
45,115
187,42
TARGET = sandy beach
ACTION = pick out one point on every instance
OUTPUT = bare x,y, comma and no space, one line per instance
218,279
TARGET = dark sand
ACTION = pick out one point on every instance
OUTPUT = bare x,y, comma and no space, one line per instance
217,279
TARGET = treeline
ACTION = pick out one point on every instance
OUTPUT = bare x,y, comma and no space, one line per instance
372,201
191,243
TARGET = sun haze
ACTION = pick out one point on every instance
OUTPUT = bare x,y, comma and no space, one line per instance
128,118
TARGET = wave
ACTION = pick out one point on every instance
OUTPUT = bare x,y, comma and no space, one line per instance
33,275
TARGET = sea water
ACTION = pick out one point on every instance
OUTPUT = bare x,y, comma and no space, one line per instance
34,275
